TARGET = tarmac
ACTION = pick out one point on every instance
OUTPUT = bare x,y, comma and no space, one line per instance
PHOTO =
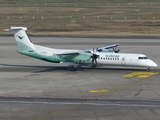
31,89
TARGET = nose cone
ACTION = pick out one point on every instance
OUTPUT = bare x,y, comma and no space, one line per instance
152,64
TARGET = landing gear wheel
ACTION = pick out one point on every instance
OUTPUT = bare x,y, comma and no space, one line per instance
74,68
148,69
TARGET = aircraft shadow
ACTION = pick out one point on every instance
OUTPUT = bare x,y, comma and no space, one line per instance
39,69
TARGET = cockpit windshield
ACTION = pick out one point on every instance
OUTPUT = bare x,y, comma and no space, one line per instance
142,58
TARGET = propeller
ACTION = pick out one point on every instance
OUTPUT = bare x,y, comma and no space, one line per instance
94,57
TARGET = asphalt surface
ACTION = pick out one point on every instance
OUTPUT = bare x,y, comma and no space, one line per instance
31,89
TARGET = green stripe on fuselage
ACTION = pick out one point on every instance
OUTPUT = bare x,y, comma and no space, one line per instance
22,46
26,50
33,54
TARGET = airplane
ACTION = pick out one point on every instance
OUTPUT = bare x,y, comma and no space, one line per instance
108,55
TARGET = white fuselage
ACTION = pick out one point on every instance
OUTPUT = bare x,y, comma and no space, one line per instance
125,59
111,58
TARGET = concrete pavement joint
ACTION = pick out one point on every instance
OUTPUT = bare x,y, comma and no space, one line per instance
72,107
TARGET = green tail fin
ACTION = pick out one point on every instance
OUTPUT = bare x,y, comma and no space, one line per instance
22,39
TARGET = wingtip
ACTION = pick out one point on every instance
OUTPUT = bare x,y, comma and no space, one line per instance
118,44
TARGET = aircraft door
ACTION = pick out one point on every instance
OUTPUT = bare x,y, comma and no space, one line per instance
123,61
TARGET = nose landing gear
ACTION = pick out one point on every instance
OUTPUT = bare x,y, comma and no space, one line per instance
148,69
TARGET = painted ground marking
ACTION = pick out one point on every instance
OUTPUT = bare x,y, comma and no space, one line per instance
140,74
98,91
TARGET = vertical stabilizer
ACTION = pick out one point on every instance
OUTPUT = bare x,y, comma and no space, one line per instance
23,42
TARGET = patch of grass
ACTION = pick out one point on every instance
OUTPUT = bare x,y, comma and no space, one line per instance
94,19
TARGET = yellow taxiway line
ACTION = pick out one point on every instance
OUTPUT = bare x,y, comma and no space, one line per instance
140,74
98,91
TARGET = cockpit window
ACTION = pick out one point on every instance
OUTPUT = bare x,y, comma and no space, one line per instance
142,58
145,58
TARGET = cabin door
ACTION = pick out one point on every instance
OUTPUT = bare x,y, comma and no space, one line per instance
123,61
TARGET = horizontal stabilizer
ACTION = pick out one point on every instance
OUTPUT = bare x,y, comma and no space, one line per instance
17,28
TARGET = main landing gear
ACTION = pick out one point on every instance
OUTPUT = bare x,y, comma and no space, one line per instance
74,68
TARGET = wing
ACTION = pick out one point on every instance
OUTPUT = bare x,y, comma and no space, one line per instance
84,55
109,47
101,49
76,56
69,53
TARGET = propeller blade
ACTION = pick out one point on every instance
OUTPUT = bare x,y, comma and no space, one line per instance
94,57
92,62
95,62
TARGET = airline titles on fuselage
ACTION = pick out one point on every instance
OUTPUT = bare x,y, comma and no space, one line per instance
110,57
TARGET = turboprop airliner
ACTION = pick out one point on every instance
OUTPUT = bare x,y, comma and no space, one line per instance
107,55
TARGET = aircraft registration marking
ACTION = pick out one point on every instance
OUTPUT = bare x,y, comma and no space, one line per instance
140,74
98,91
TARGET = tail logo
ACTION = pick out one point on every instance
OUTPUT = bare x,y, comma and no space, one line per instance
20,37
